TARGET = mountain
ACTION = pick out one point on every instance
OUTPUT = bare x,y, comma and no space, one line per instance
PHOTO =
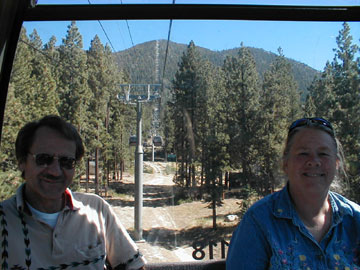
144,62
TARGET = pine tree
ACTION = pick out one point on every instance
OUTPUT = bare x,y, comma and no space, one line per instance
99,103
36,61
243,94
53,54
213,140
185,87
336,96
346,85
73,88
116,151
280,105
310,107
346,116
14,118
21,72
168,129
43,98
322,94
16,115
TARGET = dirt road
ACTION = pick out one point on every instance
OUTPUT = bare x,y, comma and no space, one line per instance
158,223
168,230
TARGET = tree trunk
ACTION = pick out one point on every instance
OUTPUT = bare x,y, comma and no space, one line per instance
87,174
97,170
214,213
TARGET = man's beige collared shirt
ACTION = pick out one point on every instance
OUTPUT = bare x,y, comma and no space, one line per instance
87,233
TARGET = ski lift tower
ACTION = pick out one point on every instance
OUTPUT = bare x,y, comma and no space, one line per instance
136,94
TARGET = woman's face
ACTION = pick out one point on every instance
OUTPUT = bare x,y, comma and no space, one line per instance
312,162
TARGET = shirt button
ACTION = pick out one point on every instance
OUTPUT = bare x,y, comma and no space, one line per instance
55,235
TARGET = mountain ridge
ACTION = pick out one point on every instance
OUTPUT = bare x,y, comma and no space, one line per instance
145,62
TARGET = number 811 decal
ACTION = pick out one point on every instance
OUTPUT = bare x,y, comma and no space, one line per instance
199,253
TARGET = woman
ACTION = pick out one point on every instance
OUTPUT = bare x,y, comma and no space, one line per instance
303,226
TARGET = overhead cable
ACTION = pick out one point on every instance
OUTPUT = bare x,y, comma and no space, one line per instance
166,52
131,39
105,32
53,62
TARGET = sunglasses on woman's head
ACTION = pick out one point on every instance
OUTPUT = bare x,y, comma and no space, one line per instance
44,160
306,121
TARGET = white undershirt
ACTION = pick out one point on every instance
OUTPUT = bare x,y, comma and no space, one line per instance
49,219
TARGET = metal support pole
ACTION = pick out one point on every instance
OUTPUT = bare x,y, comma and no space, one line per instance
139,93
153,152
139,153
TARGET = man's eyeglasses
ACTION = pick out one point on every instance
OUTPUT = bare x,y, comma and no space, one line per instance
44,160
306,121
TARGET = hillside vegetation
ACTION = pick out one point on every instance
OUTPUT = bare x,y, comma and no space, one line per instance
140,62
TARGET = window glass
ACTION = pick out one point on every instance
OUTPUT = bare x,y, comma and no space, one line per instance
216,101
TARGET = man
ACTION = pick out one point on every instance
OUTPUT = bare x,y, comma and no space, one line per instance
45,225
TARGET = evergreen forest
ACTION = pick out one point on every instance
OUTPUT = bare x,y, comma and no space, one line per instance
222,114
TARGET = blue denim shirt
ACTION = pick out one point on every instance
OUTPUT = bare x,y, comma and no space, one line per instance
272,236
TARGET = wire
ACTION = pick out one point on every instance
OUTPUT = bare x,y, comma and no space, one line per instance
102,27
128,27
166,52
53,62
107,36
131,39
132,42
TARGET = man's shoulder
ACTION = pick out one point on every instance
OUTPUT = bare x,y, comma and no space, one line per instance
10,202
83,195
8,207
88,199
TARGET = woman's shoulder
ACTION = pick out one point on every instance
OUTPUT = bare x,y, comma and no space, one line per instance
344,209
267,203
345,205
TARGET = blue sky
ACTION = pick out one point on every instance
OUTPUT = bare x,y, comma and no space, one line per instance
311,43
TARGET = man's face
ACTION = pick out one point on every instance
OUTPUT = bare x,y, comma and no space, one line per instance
46,184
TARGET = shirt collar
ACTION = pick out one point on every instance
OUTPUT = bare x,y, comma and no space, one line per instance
283,206
20,199
340,207
70,202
